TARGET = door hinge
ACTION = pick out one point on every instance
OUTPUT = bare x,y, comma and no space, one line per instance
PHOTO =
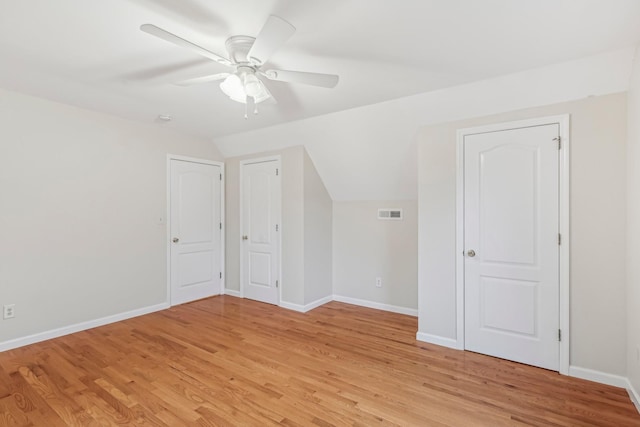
559,334
277,171
220,177
276,283
277,227
221,274
559,139
220,226
559,239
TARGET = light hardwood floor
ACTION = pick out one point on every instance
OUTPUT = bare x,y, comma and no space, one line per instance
227,361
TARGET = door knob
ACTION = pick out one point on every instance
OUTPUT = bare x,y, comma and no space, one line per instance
175,240
244,237
471,253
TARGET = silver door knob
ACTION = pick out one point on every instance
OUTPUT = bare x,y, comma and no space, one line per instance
175,240
244,237
471,253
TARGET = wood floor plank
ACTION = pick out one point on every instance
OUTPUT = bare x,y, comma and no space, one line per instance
225,361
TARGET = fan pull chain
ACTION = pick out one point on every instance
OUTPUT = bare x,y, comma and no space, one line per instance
255,109
246,108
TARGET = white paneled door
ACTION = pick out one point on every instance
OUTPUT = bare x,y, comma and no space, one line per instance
260,232
511,226
195,230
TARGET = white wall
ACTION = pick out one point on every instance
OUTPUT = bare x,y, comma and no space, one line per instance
293,225
365,247
81,195
306,248
633,227
437,231
318,214
598,227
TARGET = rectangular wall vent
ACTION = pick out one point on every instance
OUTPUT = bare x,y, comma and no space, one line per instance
390,214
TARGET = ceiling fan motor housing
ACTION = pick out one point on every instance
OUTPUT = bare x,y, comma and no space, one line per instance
238,48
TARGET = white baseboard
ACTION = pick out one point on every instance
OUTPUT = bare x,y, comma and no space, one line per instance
307,307
232,292
292,306
438,340
318,303
83,326
598,376
633,394
377,305
355,301
609,379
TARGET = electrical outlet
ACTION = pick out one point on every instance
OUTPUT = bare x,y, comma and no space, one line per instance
9,311
378,282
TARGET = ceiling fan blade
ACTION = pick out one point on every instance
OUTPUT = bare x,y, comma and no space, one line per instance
275,33
313,79
203,79
179,41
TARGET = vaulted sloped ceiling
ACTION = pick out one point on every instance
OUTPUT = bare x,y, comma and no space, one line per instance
370,153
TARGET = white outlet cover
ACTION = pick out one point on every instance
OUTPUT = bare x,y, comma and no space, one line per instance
9,311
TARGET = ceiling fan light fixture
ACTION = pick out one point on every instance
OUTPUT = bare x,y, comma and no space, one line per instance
239,87
253,86
232,87
262,97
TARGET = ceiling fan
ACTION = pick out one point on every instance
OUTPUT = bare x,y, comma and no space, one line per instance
247,56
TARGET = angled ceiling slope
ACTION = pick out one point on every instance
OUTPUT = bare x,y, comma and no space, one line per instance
369,153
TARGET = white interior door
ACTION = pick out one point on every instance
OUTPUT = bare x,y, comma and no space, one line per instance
260,230
195,230
511,226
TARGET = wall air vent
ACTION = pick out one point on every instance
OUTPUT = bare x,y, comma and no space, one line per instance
390,214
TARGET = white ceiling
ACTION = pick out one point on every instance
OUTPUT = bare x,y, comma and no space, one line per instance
93,55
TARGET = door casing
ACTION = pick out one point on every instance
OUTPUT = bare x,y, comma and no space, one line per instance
168,216
563,122
278,160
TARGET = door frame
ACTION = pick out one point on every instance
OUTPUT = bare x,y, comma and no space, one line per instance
563,122
277,158
168,215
